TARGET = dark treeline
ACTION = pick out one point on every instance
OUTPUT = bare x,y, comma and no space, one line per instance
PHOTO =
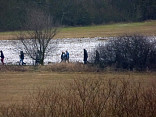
13,13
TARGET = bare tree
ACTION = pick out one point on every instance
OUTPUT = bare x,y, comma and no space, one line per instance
38,35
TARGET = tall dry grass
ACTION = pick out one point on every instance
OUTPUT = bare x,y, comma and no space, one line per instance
88,97
70,67
13,68
59,67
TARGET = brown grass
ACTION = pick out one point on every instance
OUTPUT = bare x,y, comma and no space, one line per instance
58,67
70,67
15,85
88,97
75,90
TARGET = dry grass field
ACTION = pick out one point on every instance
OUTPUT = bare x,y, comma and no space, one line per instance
16,85
75,90
109,30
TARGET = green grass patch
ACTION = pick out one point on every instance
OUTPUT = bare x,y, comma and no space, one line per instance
108,30
107,26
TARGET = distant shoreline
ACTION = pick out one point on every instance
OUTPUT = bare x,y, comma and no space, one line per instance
109,30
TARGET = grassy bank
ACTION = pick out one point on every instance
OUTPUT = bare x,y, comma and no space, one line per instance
146,28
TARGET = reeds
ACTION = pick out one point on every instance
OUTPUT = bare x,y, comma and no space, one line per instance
88,97
58,67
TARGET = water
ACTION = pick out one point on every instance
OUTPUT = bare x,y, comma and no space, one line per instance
74,46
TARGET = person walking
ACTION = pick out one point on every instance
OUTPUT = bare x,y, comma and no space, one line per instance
2,57
85,56
21,58
63,57
38,58
67,56
97,58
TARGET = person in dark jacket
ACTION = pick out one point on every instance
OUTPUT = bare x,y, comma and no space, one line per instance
21,57
85,56
38,58
2,57
97,57
63,57
67,56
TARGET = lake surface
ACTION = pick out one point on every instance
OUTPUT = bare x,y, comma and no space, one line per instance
74,46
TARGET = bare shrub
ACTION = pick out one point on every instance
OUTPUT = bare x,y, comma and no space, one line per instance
88,97
128,52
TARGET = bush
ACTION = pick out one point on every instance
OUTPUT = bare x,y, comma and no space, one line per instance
129,52
87,97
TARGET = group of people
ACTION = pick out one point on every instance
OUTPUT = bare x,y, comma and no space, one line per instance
21,58
64,57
